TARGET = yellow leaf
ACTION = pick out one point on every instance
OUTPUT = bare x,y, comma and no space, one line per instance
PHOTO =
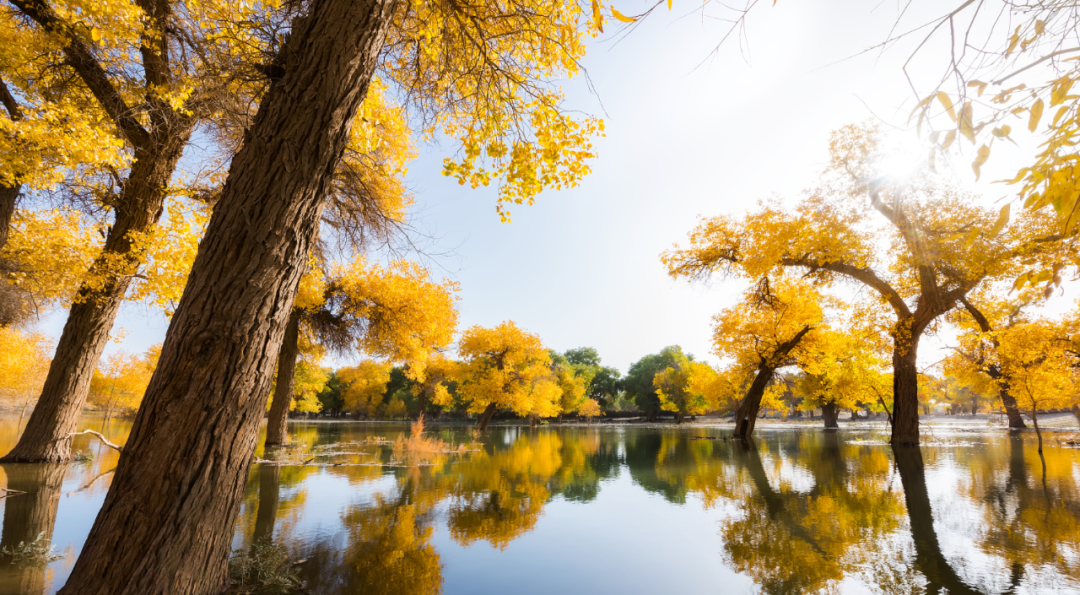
1013,41
921,105
1040,26
965,122
95,34
970,238
621,16
598,17
669,4
949,138
1002,220
943,97
1036,115
1021,281
980,159
981,85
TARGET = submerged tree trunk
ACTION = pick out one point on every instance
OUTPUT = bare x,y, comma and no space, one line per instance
277,422
1076,413
747,413
8,196
25,517
485,417
929,559
830,412
91,317
905,413
167,521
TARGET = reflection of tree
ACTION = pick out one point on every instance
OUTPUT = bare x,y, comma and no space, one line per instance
792,536
498,495
25,517
1031,524
929,559
266,514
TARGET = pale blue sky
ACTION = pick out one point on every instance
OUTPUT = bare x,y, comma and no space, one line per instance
581,267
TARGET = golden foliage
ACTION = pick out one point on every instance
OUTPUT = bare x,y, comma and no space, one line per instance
508,367
24,363
364,386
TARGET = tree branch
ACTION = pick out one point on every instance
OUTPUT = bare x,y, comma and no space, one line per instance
100,437
80,58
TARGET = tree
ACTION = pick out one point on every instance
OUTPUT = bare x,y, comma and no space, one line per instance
638,382
774,326
364,387
439,373
395,312
120,383
842,371
943,246
1040,371
979,348
604,385
24,362
505,367
681,387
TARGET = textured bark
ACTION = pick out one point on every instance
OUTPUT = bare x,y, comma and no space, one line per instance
485,417
928,557
91,318
1076,413
1012,411
277,423
266,515
167,521
830,412
905,413
746,415
8,196
25,517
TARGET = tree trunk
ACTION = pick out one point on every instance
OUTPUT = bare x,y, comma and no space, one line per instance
266,515
1076,413
1035,422
91,317
8,197
167,521
277,423
485,417
746,415
830,412
679,417
928,557
905,413
1012,411
25,517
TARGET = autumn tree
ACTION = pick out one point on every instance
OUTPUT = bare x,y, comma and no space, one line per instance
505,367
942,246
638,382
24,362
119,383
395,312
604,385
680,386
775,325
843,370
364,386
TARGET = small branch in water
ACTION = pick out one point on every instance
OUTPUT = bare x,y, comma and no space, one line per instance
100,437
7,492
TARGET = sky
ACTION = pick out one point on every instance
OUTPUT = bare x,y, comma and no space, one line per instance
689,133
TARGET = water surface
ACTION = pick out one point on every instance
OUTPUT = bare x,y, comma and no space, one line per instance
620,510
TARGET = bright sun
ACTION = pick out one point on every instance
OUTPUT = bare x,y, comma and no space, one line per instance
903,158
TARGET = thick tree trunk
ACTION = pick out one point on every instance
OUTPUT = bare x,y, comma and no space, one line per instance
1076,413
905,413
91,317
928,557
167,521
8,196
277,423
746,415
830,412
1012,411
266,515
25,517
485,417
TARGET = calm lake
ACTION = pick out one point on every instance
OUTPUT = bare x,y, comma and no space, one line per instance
620,510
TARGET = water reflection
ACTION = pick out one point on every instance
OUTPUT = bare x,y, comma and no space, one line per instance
792,512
